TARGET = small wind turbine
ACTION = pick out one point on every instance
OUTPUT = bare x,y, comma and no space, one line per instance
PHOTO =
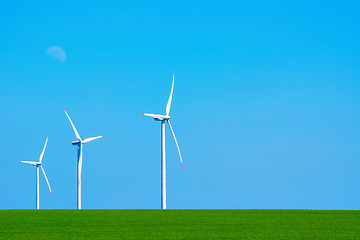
37,165
163,119
79,143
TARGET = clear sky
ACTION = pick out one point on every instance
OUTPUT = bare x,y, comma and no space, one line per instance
266,104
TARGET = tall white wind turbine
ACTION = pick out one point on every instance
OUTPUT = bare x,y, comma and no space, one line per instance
79,143
163,119
37,165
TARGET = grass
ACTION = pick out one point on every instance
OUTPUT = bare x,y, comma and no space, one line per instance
179,224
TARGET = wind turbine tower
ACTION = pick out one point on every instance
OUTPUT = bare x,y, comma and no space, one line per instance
37,165
79,143
163,120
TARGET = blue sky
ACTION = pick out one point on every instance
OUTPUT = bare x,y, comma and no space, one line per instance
265,106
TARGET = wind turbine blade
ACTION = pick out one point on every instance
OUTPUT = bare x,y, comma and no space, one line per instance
42,153
76,132
91,139
177,145
148,114
29,162
46,178
170,98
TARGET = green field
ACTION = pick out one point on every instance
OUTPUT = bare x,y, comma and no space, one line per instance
179,224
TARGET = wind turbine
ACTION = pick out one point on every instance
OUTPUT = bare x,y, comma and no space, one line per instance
163,119
37,165
80,144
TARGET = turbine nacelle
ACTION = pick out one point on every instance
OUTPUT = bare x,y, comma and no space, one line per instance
157,117
75,142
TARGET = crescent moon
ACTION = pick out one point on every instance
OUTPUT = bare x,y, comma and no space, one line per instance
56,53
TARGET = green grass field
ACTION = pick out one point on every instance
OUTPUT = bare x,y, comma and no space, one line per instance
179,224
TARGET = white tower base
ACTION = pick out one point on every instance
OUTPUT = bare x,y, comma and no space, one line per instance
37,188
163,167
79,176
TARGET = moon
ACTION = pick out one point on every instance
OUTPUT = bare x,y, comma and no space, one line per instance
56,53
